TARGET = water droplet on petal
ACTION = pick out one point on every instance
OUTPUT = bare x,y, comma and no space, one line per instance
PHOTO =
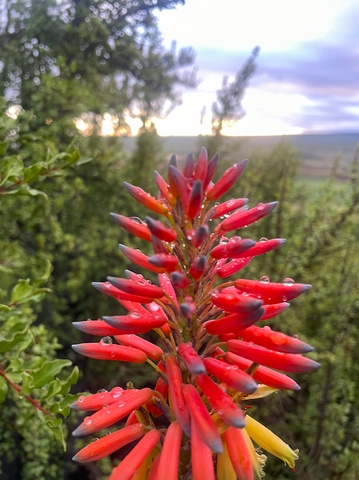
260,206
223,240
284,298
263,239
129,385
106,341
137,220
295,336
88,421
264,279
288,281
81,399
102,390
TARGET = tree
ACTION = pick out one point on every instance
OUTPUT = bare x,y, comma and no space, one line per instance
66,59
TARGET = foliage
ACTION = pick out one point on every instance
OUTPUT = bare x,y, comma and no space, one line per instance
82,59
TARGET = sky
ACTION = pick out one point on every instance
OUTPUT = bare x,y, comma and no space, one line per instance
307,78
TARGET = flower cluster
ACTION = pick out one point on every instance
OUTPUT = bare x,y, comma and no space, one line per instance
210,356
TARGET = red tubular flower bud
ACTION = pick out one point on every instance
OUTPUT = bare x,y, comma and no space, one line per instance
272,292
187,309
96,327
107,351
231,301
169,460
227,180
180,183
110,290
179,280
168,287
239,453
233,247
158,246
211,170
138,287
127,468
139,258
145,199
132,419
109,444
160,231
98,400
277,341
233,323
243,217
231,375
152,351
133,226
162,388
263,374
163,187
286,362
222,403
261,247
164,261
195,200
201,419
188,166
191,358
274,310
200,170
201,234
107,416
135,322
175,388
202,463
198,267
228,207
233,266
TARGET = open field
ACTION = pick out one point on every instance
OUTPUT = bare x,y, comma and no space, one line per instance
318,151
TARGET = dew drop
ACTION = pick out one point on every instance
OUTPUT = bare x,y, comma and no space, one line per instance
263,239
264,279
88,421
224,240
288,281
284,298
94,439
295,336
260,206
113,354
81,399
135,315
106,341
137,220
230,203
102,390
129,385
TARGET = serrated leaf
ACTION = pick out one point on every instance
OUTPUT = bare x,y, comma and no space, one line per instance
48,371
3,389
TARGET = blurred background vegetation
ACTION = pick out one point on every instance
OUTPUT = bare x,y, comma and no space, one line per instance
85,59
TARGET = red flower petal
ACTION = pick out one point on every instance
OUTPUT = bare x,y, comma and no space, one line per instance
201,234
263,374
97,327
243,217
235,246
145,198
277,341
202,463
152,351
133,460
274,310
160,231
230,375
231,300
175,388
195,199
96,401
135,322
286,362
191,358
226,409
165,261
227,180
233,266
200,170
233,323
108,289
139,258
198,267
109,444
133,226
107,351
163,187
239,453
168,287
227,207
261,247
272,292
169,461
139,287
201,419
107,416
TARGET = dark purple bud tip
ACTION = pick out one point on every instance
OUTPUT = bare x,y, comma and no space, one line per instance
78,325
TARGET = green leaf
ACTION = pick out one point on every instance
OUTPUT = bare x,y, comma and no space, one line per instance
3,389
48,371
13,340
10,167
83,160
32,173
27,384
3,147
4,308
21,291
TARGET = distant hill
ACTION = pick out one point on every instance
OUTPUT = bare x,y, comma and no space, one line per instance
318,151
